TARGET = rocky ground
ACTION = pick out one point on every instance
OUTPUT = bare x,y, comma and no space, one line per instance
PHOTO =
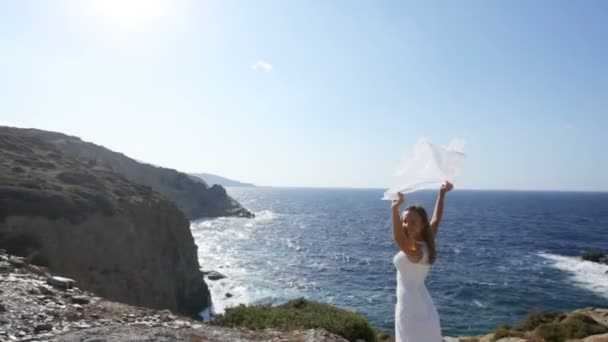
37,307
593,317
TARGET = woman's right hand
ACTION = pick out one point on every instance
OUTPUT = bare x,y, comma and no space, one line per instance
399,201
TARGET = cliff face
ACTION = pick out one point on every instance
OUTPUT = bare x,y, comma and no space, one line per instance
35,308
215,179
118,239
194,197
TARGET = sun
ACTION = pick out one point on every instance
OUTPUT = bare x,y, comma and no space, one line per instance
128,13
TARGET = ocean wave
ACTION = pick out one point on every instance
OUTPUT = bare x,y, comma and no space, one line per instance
264,215
228,293
479,304
292,244
483,283
260,216
319,266
586,274
220,242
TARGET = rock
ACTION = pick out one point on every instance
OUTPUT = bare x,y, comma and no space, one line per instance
61,282
314,335
209,333
487,338
595,256
229,295
41,271
43,327
45,337
599,315
384,337
215,179
181,324
596,338
214,275
2,308
166,316
45,290
81,219
511,339
192,196
80,300
17,262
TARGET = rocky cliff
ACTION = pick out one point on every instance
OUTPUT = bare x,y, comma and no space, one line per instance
116,238
219,180
194,197
34,307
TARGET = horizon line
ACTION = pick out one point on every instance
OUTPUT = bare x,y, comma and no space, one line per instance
385,188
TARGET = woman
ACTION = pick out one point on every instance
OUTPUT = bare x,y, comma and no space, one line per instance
416,319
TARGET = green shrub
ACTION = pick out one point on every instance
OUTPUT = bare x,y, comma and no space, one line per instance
300,314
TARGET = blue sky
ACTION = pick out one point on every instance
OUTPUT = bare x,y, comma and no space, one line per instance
319,93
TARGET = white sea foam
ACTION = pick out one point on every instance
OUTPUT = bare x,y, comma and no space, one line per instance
586,274
264,215
216,251
479,304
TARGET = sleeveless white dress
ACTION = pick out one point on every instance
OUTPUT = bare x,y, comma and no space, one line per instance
416,318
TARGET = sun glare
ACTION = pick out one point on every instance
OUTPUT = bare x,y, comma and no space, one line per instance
129,12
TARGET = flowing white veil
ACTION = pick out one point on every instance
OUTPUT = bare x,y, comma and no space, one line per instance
428,166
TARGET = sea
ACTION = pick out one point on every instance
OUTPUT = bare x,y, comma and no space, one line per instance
501,254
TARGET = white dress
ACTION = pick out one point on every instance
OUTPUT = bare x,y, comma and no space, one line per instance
416,318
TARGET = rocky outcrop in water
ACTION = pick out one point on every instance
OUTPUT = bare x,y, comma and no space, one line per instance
193,196
79,219
595,255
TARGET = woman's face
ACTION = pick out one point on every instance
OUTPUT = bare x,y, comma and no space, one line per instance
412,222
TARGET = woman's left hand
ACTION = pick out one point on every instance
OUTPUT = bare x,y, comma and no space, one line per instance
446,187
